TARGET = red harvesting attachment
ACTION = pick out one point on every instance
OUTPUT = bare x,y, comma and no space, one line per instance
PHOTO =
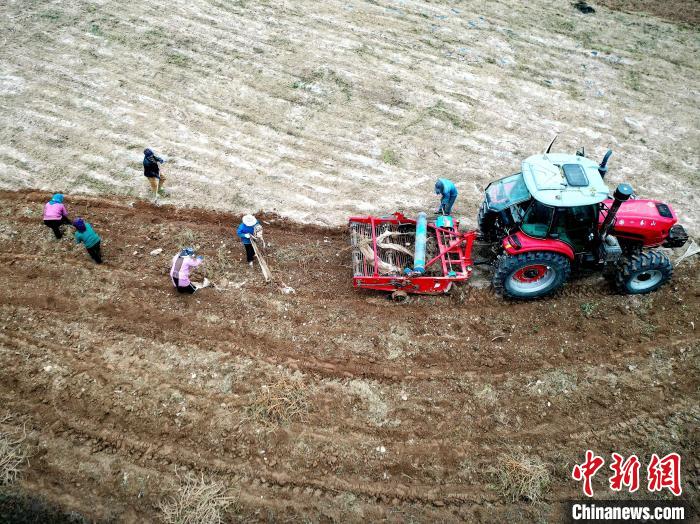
396,253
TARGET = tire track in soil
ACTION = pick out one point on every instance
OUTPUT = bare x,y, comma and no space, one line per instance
151,456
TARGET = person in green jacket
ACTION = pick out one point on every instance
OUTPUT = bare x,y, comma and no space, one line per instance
91,240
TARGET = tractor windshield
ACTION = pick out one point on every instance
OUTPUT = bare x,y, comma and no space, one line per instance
506,192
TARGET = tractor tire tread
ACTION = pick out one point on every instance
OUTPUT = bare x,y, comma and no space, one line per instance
506,264
639,262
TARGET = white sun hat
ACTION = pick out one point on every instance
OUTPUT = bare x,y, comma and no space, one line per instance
249,220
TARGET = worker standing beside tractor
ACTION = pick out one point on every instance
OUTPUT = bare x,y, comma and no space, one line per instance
249,228
553,218
151,171
183,263
55,215
91,240
448,194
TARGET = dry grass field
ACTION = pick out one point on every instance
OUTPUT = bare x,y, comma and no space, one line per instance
319,109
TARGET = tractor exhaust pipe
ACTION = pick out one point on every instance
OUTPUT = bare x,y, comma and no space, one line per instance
603,167
622,194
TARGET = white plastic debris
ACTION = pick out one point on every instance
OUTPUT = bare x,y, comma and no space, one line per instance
156,252
633,124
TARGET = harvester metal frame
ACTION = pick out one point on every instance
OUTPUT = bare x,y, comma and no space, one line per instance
454,257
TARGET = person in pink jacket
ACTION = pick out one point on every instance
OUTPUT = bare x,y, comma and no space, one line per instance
183,263
55,214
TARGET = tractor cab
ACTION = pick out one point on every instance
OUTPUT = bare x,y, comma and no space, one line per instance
555,196
557,215
566,193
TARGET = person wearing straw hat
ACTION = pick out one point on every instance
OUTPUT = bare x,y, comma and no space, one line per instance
249,228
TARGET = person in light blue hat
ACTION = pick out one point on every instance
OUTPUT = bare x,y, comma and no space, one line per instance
448,194
55,215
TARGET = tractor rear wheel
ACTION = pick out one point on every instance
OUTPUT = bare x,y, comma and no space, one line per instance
531,275
643,273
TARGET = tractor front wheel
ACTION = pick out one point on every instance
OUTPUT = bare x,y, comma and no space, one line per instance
531,275
643,273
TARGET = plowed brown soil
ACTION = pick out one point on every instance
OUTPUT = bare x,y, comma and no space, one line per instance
124,387
684,11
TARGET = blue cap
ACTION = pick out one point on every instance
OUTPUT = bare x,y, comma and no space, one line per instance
187,252
57,198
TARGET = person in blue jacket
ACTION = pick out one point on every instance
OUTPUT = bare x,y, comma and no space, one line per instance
91,240
249,228
448,194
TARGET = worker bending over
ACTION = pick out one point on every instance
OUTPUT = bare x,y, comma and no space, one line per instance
55,214
249,228
91,240
183,263
448,192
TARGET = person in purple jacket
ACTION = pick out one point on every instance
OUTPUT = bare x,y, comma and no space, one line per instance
55,214
183,263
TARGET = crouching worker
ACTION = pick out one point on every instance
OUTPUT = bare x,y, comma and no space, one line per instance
249,228
448,194
91,240
55,215
183,263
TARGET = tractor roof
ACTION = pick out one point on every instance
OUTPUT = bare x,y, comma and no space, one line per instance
557,179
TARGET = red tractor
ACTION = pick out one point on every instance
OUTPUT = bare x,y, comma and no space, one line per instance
556,216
